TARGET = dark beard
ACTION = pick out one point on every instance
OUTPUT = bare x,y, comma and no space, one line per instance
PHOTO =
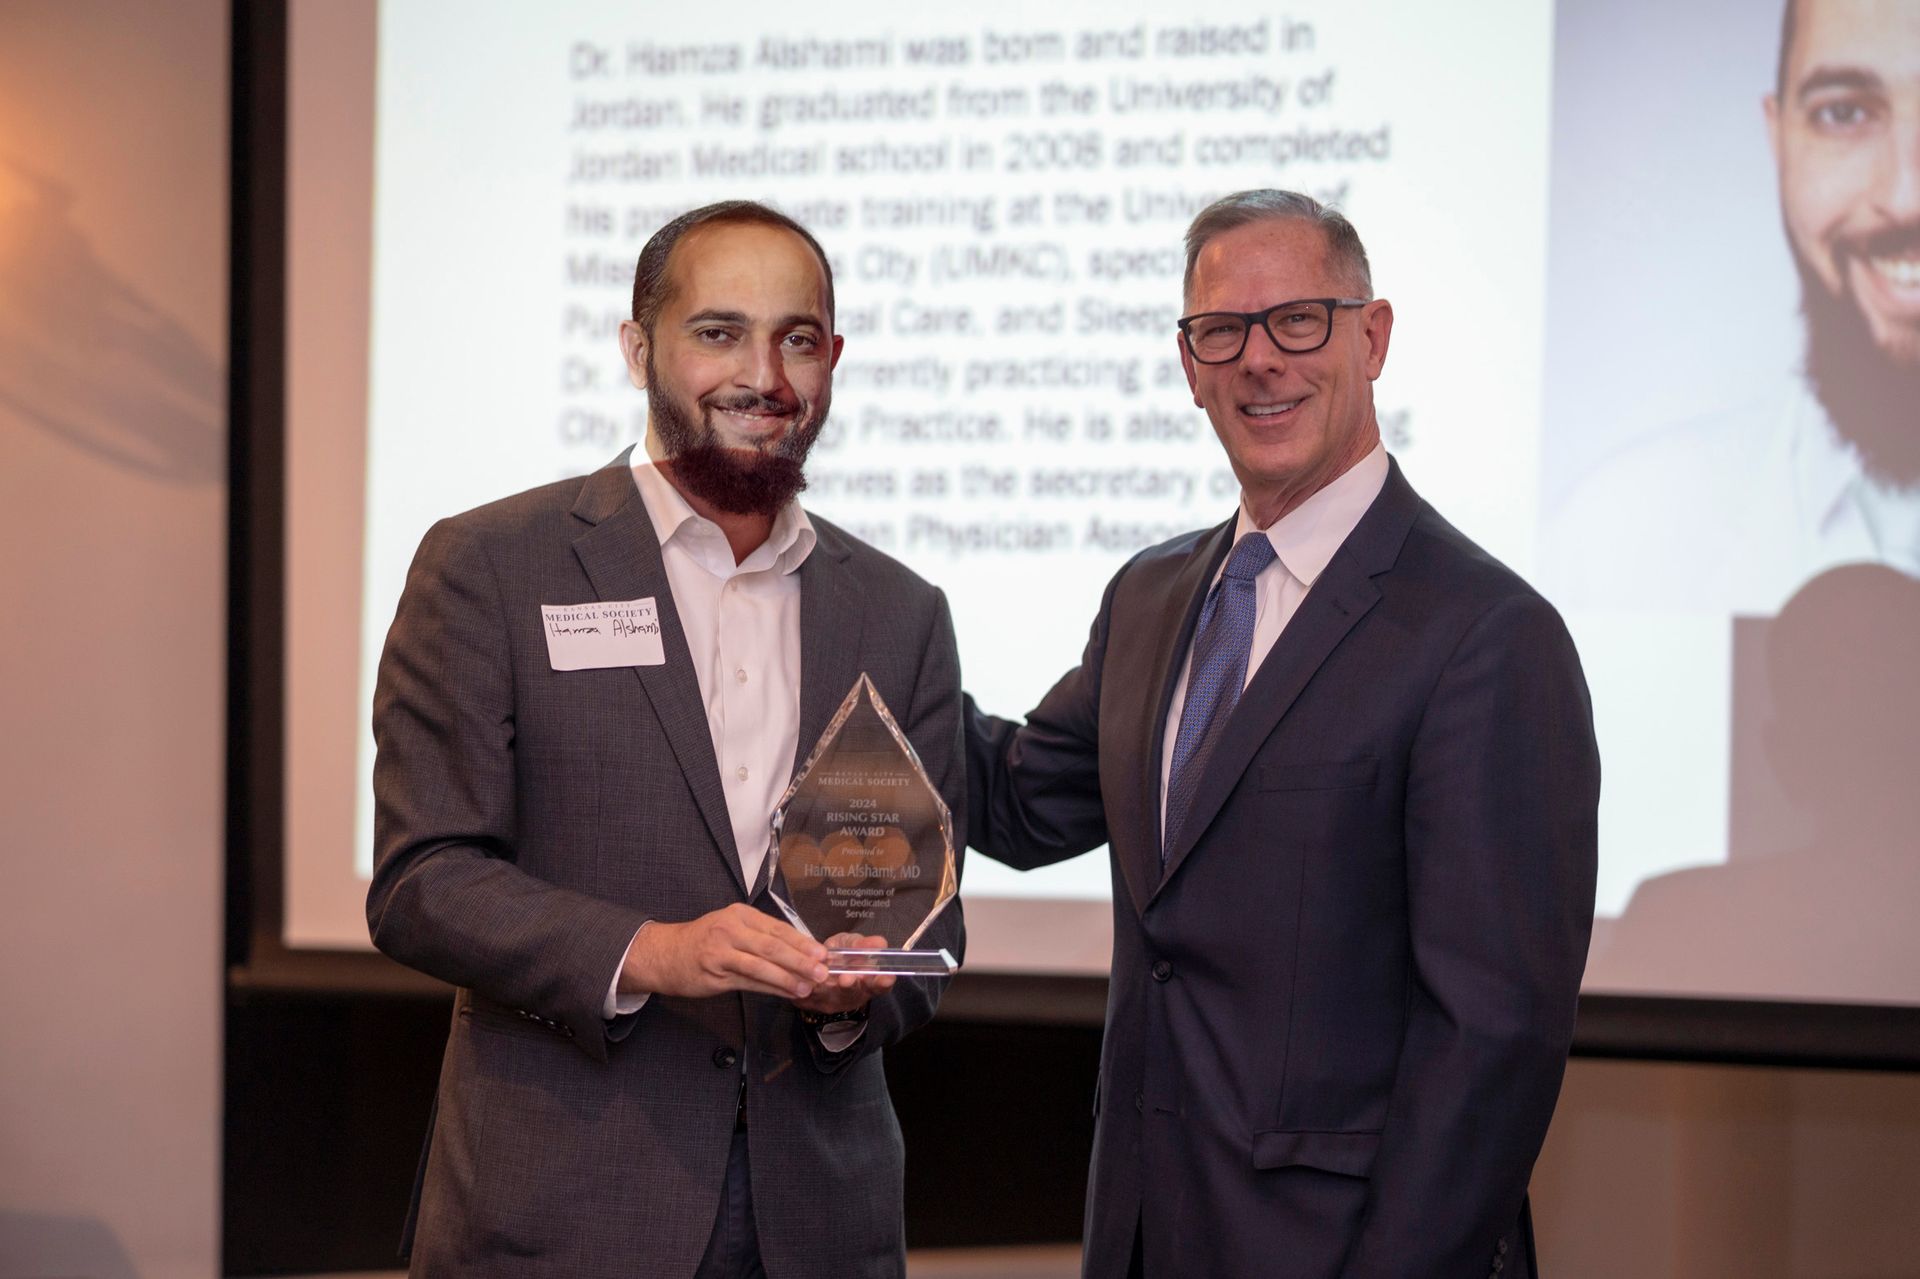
732,480
1872,398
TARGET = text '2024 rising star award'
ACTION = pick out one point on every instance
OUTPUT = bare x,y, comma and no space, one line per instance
865,843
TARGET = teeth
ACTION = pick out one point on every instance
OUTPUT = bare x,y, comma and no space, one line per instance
1904,272
1263,410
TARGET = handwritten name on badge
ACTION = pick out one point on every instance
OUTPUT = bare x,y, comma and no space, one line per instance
603,633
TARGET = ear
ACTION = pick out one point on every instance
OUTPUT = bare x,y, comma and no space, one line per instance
633,347
1770,107
1186,363
1376,324
833,360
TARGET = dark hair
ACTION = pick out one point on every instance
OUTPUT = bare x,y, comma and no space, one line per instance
650,291
1344,250
1789,20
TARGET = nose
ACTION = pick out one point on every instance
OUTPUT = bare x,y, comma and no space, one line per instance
1262,354
763,370
1899,187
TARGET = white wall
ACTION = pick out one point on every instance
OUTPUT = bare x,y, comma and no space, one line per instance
112,633
1726,1172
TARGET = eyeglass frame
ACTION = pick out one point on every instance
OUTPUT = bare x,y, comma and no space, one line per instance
1254,319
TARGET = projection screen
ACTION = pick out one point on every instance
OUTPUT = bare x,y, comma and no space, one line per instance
1602,370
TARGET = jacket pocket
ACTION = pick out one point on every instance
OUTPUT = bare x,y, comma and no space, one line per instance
486,1015
1332,776
1348,1153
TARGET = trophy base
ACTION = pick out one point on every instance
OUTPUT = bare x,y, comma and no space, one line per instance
892,963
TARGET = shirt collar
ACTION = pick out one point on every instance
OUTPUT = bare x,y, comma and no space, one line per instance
1306,537
1831,487
1825,472
787,546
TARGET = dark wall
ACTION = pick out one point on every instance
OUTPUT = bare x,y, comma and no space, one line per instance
328,1096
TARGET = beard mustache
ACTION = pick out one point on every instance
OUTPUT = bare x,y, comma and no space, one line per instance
1871,396
738,481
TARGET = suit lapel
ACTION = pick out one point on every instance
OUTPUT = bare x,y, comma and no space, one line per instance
621,555
1185,594
832,612
1344,593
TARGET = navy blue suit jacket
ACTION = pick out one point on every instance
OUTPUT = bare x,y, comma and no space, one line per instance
1339,1018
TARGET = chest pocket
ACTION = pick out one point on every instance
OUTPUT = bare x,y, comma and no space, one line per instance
1342,775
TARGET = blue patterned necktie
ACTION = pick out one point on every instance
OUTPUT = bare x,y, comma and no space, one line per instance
1221,646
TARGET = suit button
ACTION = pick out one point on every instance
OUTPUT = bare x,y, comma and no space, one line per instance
1500,1247
1139,1102
724,1057
1499,1264
1162,970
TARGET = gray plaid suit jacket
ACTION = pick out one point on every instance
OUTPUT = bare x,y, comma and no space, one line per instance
528,820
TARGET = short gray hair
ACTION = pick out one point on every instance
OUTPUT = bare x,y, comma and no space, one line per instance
1344,251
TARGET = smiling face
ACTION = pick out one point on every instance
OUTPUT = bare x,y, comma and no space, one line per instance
738,366
1846,136
1291,424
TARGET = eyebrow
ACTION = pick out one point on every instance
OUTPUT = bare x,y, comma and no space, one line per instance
793,321
1821,79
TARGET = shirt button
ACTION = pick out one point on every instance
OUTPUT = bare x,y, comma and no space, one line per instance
741,675
741,772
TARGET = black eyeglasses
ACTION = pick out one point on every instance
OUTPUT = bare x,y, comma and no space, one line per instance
1297,327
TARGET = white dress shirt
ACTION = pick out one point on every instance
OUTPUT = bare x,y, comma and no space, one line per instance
1304,540
742,623
1727,514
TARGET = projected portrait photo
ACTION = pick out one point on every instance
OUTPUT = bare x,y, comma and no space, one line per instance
1735,458
1730,466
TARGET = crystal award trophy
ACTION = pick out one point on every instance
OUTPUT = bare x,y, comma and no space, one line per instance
865,843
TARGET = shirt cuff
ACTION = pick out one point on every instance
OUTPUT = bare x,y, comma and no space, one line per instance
617,1004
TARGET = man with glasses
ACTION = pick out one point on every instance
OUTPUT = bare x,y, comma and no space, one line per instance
1344,762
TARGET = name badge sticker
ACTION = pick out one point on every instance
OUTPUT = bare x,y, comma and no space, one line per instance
604,633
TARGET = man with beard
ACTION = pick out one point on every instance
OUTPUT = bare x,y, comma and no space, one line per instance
1737,514
1828,471
650,1071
